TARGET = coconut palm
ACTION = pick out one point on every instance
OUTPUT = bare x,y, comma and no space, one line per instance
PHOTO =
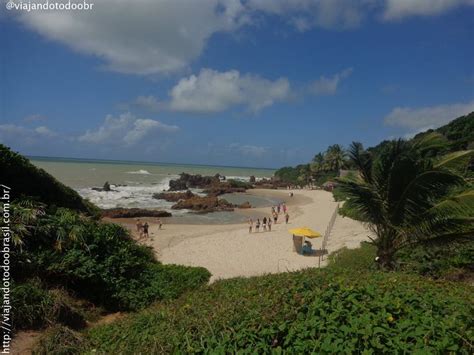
406,198
318,162
335,157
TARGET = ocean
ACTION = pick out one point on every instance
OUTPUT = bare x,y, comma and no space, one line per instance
134,183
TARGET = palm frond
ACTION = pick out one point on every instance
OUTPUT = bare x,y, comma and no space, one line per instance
430,143
456,161
421,192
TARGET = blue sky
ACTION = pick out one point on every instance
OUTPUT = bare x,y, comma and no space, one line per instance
246,83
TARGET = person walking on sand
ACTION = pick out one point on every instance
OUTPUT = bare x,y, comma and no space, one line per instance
145,230
278,208
264,222
275,217
257,225
250,221
269,224
160,224
139,227
287,217
284,209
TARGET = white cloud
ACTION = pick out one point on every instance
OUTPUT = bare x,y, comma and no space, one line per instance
11,133
306,14
213,91
45,131
140,36
432,117
126,129
398,9
328,85
159,37
148,102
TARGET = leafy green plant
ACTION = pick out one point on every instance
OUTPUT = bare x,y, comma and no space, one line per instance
337,310
408,199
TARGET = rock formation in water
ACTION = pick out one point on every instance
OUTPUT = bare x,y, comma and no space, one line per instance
133,213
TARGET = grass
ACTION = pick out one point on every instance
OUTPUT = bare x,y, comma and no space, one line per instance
345,308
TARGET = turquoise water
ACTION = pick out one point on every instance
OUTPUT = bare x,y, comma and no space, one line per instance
133,183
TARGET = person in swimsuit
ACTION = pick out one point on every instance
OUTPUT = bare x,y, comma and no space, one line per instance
257,225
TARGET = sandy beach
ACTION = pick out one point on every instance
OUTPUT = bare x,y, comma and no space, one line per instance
231,251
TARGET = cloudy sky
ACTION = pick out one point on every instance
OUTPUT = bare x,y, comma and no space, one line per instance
231,82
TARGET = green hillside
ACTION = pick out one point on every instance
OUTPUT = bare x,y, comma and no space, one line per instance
25,179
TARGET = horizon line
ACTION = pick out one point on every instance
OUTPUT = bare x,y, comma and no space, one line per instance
33,157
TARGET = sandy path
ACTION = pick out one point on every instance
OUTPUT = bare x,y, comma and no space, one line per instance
230,251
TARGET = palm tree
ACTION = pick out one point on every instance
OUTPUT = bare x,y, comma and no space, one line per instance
406,198
318,162
335,156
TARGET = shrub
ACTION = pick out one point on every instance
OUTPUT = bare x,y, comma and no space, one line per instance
31,304
313,311
36,307
101,263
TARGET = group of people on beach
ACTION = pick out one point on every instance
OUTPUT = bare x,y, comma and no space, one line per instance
266,223
142,228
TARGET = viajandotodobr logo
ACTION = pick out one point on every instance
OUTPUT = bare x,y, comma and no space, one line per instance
48,5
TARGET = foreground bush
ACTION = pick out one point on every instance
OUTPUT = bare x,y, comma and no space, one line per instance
36,307
99,262
314,311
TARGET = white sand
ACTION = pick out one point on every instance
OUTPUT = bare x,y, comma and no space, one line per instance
230,251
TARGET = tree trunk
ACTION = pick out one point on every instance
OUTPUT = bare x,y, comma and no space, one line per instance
386,258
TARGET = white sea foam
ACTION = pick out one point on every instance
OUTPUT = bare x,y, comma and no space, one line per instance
140,172
243,178
129,196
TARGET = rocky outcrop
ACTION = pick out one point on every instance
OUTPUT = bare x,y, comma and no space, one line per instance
105,188
133,213
269,184
173,196
204,204
245,205
186,181
222,188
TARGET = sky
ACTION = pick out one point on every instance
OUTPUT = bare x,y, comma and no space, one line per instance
255,83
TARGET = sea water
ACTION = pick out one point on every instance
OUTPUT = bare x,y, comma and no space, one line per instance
134,183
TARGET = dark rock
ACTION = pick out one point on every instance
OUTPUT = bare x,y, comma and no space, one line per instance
252,179
177,185
173,196
222,188
133,213
105,188
186,181
245,205
204,204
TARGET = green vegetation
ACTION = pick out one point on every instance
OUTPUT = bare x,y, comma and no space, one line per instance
26,180
416,196
345,308
65,262
407,198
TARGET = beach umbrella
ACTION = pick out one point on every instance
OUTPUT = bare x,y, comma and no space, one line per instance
305,232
